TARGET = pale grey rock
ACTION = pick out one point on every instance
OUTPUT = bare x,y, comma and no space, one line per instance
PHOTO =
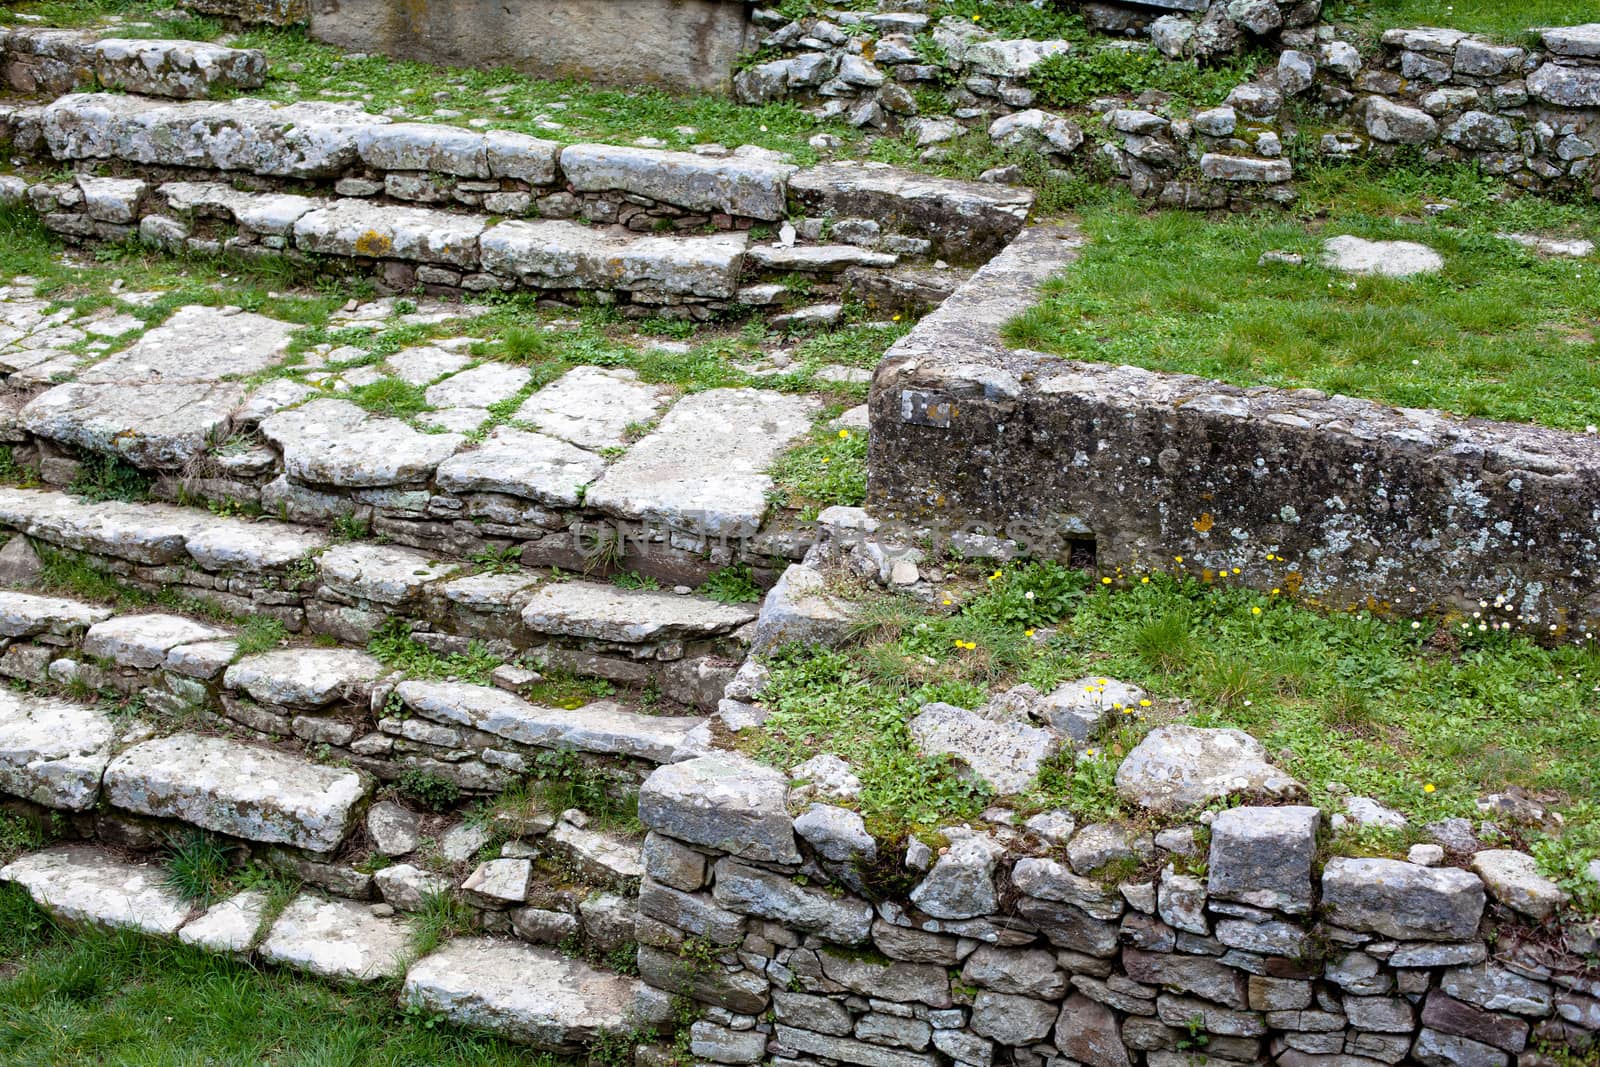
838,834
334,442
1574,247
1180,766
1398,124
143,641
1007,756
627,616
1217,122
601,727
111,199
1037,130
595,855
159,424
1297,71
557,254
1513,878
905,983
437,148
1435,1049
1380,1014
407,888
608,920
961,883
1402,900
1225,168
543,926
848,1050
25,615
271,214
739,185
1480,131
800,609
1582,41
1102,843
426,364
1199,975
1494,988
257,794
1012,1020
592,407
1022,972
497,883
703,469
479,387
53,752
724,801
829,259
1263,857
298,140
709,1042
349,227
337,939
1049,880
184,69
522,464
1341,57
521,157
1365,811
1565,86
843,920
383,574
306,677
229,926
1054,827
82,884
673,864
394,830
233,545
693,913
825,775
1079,709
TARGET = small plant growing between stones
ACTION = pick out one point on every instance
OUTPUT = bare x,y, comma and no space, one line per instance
634,580
196,866
432,791
732,585
492,560
441,916
103,476
260,633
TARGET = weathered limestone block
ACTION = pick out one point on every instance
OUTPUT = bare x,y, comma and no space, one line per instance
627,616
1180,766
1007,756
522,464
750,890
747,186
334,442
184,69
143,641
337,939
306,677
1402,900
592,407
798,608
1263,857
558,254
229,926
82,884
1513,878
257,794
351,227
53,752
259,212
724,801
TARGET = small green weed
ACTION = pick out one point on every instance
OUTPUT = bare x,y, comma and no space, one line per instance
196,866
103,476
432,791
260,633
735,584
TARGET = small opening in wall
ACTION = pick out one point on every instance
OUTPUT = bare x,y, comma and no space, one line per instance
1080,553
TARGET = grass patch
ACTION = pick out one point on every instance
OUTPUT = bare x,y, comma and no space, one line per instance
829,469
1073,79
1496,18
89,996
394,397
395,648
197,867
103,476
260,633
1500,333
64,572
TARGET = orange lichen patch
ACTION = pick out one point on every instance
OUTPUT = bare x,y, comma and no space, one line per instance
1292,582
373,243
1204,523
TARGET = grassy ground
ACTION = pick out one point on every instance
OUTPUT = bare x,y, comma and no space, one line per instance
1502,332
1506,19
88,996
1425,717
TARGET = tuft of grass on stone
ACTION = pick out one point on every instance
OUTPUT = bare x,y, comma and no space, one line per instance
196,867
394,397
103,476
829,469
260,634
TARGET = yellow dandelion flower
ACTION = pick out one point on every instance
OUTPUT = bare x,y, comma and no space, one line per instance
1027,633
1144,703
1105,581
1255,611
1429,788
844,435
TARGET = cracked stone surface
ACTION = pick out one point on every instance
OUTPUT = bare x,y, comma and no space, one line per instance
338,939
82,884
334,442
306,677
627,616
386,574
522,464
53,752
592,407
258,794
143,641
228,926
23,615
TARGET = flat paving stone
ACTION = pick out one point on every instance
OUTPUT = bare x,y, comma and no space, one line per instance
143,641
337,939
738,185
628,616
24,615
420,366
592,407
83,884
385,574
1392,259
252,547
522,464
228,926
262,212
384,231
197,344
703,470
306,677
53,752
601,727
143,533
334,442
485,384
257,794
533,996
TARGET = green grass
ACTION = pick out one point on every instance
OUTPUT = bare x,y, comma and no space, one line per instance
260,633
1501,332
395,648
1073,79
197,867
1384,707
1505,19
87,996
828,469
732,585
103,476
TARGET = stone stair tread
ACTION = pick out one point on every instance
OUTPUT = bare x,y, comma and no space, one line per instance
337,939
702,471
385,574
592,407
305,677
84,884
818,257
26,614
336,443
530,995
524,464
606,612
559,254
603,727
596,854
53,752
257,794
228,926
144,641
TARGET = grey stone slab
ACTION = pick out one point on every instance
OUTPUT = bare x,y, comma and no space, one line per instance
337,939
183,69
744,186
600,727
703,470
724,801
557,254
228,926
1402,900
299,140
479,387
257,794
24,615
143,641
592,407
828,259
306,677
152,424
143,533
382,231
420,366
83,884
627,616
1263,856
518,463
1007,756
1580,41
842,920
384,574
53,752
533,996
251,547
273,214
1180,766
335,443
438,149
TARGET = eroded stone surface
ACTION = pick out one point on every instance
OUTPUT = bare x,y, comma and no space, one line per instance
1006,755
556,254
79,883
257,794
385,231
338,939
143,641
725,801
334,442
522,464
53,752
228,926
1402,900
24,615
592,407
753,188
627,616
1179,766
305,677
1393,259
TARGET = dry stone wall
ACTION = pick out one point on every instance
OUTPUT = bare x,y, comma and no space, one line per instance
797,931
61,61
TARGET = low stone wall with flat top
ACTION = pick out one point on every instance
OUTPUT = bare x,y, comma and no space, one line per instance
1344,501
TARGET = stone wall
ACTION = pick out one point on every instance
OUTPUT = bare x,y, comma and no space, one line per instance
1345,502
61,61
769,903
678,44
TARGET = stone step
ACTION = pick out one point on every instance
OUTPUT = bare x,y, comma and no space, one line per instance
84,884
59,61
603,727
530,995
53,752
256,794
612,614
341,940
